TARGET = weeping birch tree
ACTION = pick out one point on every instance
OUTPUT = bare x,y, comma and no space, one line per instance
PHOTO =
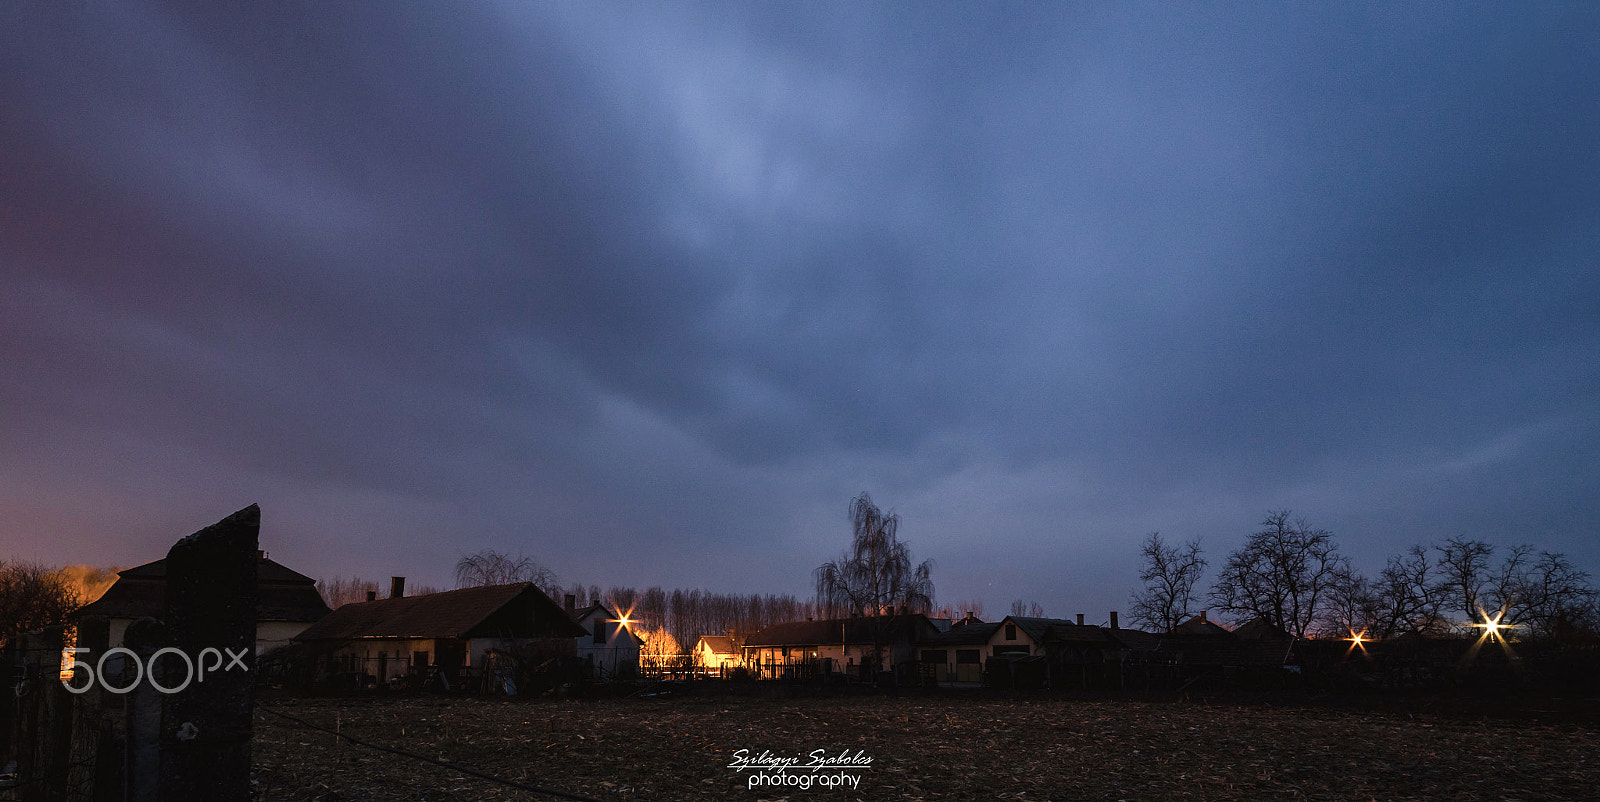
876,572
490,567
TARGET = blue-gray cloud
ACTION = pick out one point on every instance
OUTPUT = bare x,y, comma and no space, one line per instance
680,281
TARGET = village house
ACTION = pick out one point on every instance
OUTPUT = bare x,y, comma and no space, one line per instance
716,655
1025,651
1084,656
287,602
956,655
449,636
1200,647
858,646
608,647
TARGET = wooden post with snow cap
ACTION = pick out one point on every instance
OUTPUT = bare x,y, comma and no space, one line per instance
211,618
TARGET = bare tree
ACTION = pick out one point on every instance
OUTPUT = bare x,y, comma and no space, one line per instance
1352,605
1464,570
659,651
88,581
340,590
1028,609
959,610
490,567
1503,592
1282,574
1407,596
876,571
1540,595
688,614
619,599
33,596
1169,577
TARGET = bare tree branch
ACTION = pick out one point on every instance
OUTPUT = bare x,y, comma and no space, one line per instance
1169,577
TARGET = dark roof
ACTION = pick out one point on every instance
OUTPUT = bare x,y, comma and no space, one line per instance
1080,635
867,629
267,570
583,612
281,594
1136,639
1035,627
451,614
968,635
1199,625
1260,629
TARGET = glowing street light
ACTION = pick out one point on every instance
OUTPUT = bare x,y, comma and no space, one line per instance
1357,640
1491,626
623,618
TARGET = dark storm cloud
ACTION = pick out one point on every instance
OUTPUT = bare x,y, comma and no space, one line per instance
1042,279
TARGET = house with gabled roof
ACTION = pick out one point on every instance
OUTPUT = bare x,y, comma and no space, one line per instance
1022,636
1031,651
450,634
859,645
957,654
287,602
1200,645
609,647
716,655
1200,624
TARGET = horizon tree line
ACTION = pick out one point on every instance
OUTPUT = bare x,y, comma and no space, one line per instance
1292,575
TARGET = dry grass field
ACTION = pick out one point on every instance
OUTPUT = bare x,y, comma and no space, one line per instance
921,748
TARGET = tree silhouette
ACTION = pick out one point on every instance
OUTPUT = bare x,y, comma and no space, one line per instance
1282,575
490,567
1169,577
876,572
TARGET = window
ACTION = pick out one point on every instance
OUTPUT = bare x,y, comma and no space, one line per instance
1011,631
934,655
966,655
600,631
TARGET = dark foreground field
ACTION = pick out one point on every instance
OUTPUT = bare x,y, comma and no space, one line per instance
921,748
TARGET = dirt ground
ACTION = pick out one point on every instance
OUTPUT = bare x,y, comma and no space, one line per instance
920,748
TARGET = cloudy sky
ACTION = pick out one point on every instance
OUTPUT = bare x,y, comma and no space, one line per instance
650,293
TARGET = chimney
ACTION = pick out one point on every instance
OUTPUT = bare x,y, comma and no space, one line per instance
1080,619
260,555
1113,619
372,595
397,587
572,602
1203,615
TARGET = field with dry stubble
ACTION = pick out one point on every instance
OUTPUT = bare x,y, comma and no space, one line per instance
922,748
